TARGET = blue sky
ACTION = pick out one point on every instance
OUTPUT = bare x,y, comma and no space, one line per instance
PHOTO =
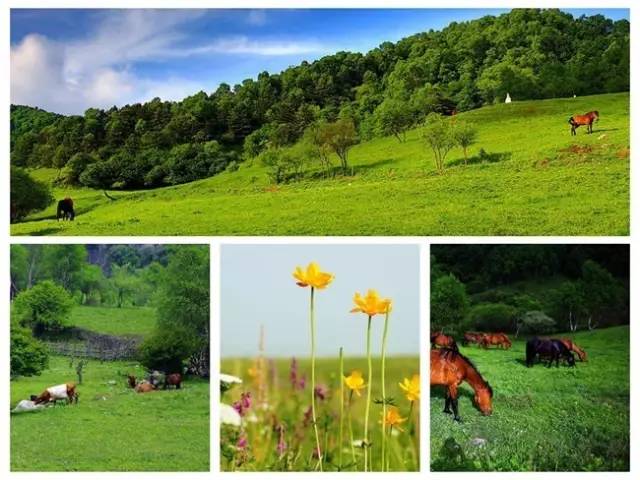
68,60
257,288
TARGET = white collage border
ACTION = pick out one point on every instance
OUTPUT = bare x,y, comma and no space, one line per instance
216,244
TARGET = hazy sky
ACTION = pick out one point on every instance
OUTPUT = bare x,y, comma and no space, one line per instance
258,288
68,60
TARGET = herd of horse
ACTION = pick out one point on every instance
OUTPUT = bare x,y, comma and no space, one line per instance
449,367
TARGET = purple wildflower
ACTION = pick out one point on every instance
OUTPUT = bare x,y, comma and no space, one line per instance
308,417
244,404
293,373
242,442
282,445
321,392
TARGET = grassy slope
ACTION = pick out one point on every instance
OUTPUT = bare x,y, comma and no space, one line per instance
114,321
533,189
112,428
544,419
327,370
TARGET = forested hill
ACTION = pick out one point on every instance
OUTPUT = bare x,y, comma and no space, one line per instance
529,53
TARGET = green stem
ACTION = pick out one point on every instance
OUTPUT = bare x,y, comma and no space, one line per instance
313,378
341,377
384,395
366,411
353,447
412,432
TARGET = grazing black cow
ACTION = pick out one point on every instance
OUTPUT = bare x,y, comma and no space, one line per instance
65,209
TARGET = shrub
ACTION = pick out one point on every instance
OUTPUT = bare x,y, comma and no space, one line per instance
536,322
28,356
27,195
494,317
44,307
167,349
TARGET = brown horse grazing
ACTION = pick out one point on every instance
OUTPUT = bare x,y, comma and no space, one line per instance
449,368
472,337
441,340
500,340
66,391
173,379
582,355
586,119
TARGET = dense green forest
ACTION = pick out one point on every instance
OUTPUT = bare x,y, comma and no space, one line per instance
529,289
49,282
328,105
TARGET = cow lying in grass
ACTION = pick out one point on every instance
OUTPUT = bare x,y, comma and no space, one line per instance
65,391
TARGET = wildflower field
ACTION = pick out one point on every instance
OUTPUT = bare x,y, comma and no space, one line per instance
277,434
343,413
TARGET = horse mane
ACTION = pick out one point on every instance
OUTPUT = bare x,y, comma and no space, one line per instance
444,352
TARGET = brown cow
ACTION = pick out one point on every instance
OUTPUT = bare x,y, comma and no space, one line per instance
65,391
173,379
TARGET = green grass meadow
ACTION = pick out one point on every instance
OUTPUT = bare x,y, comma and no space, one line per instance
535,179
288,407
544,419
112,428
125,321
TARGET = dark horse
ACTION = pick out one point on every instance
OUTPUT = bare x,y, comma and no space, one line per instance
550,348
586,119
449,368
65,209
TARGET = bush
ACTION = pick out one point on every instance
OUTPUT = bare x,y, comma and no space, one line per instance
27,195
167,350
42,308
493,317
28,356
536,322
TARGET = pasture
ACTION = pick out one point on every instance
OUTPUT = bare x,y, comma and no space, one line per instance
288,406
526,176
544,419
112,428
124,321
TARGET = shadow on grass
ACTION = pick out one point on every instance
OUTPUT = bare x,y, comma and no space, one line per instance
451,458
482,157
45,231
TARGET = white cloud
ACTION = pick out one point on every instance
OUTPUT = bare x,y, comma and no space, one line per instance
244,46
257,17
97,71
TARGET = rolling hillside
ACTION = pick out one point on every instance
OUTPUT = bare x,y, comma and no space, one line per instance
533,179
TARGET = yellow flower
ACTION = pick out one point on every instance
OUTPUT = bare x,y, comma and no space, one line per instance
355,381
393,418
411,388
371,304
312,276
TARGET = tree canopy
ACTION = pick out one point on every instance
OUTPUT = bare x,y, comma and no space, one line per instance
530,53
